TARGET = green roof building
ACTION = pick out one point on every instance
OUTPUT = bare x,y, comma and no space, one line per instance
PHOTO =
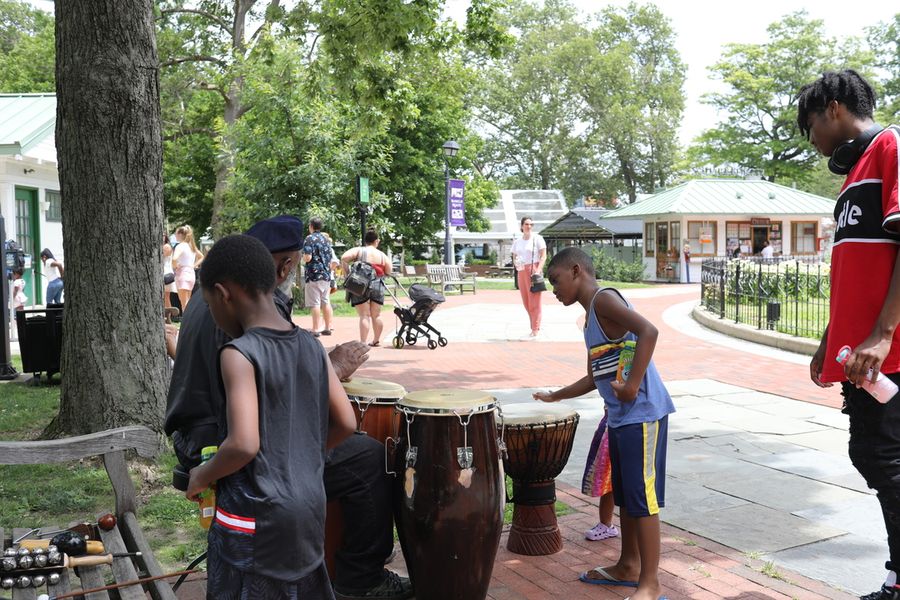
726,217
30,201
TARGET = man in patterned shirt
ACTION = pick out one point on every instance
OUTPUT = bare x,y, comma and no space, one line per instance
317,256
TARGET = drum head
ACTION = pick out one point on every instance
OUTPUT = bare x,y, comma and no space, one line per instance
362,387
534,413
449,401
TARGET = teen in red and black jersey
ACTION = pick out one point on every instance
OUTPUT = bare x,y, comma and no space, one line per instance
865,283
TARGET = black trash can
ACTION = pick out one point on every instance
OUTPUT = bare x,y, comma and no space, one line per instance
40,339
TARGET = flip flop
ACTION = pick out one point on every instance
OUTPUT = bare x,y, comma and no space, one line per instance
605,579
375,343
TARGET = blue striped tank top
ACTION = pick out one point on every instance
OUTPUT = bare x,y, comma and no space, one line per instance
652,402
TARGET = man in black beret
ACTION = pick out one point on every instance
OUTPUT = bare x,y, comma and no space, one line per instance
354,470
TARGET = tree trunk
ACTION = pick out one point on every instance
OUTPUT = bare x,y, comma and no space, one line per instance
109,146
225,161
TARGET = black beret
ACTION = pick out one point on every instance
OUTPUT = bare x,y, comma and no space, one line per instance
279,234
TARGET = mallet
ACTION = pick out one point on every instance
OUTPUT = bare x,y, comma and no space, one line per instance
115,586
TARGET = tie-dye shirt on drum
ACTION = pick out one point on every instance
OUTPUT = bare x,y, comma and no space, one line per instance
652,402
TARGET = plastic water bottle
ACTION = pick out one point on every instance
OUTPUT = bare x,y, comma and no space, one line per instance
207,496
626,357
882,389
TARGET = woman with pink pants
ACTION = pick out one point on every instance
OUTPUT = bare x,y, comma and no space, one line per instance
529,254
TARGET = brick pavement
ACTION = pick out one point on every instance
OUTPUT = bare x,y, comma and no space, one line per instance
691,567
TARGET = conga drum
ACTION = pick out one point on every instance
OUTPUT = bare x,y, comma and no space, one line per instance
449,492
373,402
539,439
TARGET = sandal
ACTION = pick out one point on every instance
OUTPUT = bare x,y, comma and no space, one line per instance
601,532
325,332
375,343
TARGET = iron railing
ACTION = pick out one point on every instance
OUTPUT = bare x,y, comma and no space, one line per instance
787,294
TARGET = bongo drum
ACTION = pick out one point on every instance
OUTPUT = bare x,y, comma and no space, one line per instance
373,402
449,492
539,438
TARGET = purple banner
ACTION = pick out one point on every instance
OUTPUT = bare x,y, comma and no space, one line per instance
456,194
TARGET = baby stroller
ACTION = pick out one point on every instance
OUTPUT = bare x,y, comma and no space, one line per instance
414,319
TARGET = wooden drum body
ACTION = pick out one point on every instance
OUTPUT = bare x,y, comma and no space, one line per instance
539,439
449,492
373,402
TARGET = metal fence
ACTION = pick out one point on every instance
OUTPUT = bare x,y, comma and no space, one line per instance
787,294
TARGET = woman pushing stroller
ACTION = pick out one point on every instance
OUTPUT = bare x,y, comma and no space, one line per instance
368,306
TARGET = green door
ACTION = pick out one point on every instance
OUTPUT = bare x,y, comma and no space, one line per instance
28,236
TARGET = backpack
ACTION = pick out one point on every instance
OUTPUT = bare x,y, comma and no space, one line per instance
360,277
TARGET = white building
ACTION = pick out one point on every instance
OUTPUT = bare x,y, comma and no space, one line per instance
726,217
30,202
543,206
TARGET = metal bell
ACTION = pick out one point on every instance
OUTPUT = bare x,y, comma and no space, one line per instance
40,561
23,551
7,583
8,563
24,581
38,580
10,552
53,578
26,561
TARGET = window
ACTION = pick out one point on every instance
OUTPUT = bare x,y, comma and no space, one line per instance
23,224
804,237
702,237
675,234
54,212
662,239
650,239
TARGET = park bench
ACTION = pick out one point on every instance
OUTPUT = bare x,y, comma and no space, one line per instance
445,277
126,536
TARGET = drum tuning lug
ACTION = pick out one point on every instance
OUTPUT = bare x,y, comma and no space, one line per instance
411,455
464,457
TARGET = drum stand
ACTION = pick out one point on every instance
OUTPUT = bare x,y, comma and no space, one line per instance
534,530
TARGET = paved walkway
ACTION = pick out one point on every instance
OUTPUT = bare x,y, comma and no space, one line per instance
762,500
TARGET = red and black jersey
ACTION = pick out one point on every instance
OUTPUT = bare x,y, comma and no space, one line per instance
866,240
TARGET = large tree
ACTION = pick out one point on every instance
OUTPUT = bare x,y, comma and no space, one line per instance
884,39
216,44
524,105
759,108
26,48
631,85
110,171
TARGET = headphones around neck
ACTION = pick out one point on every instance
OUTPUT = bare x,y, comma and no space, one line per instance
845,156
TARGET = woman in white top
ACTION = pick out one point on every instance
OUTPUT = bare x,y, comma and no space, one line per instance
185,259
168,288
368,307
54,274
529,255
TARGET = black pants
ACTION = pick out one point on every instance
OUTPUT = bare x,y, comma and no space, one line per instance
875,452
354,474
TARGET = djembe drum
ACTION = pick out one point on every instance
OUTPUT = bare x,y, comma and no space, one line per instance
449,492
373,402
539,439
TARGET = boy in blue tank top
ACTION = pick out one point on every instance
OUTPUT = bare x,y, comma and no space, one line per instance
280,414
638,410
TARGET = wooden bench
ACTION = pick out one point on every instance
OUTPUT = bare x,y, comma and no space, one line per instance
449,276
126,536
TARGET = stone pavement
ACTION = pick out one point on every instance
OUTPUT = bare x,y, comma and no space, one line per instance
758,476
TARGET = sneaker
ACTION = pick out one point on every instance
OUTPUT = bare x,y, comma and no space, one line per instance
392,587
601,532
885,593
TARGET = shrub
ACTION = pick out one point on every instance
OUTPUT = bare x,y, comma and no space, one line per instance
612,269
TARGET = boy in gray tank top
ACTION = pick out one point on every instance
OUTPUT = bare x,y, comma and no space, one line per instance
279,417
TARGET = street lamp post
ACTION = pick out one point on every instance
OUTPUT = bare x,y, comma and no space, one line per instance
450,148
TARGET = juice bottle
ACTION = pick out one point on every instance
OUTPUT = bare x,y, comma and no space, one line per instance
882,389
207,496
626,357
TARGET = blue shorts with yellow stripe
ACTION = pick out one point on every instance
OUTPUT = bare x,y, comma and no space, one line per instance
638,456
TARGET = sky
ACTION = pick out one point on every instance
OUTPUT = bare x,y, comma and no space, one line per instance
704,26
